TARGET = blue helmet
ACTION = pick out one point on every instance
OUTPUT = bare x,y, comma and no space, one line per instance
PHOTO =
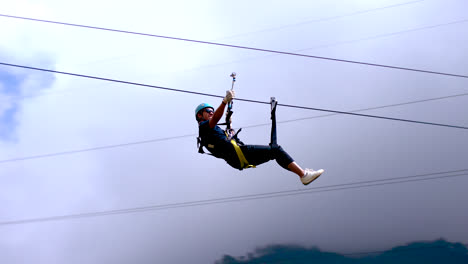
201,107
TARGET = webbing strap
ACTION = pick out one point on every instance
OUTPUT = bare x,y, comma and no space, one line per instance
273,140
243,161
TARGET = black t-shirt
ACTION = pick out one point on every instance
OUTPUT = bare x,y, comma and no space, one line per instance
215,140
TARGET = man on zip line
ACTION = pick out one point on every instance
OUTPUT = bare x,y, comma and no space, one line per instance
225,144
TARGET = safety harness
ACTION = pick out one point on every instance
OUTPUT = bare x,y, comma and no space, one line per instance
228,131
234,139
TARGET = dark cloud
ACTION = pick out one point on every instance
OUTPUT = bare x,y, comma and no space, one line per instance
439,251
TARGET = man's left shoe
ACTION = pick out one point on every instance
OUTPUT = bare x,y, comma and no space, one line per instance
310,176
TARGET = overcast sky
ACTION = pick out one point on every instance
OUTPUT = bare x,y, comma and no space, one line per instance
44,113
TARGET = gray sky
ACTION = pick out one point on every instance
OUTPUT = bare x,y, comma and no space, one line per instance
43,113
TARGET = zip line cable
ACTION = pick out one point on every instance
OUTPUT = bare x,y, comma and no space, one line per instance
311,48
372,116
390,34
194,135
238,99
237,46
345,42
62,153
330,18
364,109
336,187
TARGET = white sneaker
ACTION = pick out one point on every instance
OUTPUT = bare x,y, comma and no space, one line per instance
310,176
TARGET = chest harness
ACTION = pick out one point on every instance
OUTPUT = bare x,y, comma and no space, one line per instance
236,143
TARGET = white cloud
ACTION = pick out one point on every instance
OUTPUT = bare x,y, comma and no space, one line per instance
78,113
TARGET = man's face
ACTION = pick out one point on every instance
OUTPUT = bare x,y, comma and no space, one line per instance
207,113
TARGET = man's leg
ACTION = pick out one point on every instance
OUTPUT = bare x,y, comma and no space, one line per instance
294,167
258,154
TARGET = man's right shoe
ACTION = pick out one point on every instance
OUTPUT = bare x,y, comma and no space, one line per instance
310,176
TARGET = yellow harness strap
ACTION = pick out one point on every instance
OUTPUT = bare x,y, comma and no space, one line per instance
243,162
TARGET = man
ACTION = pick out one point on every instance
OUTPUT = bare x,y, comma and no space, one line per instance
221,144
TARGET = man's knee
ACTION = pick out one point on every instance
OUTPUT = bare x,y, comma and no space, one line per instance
276,149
